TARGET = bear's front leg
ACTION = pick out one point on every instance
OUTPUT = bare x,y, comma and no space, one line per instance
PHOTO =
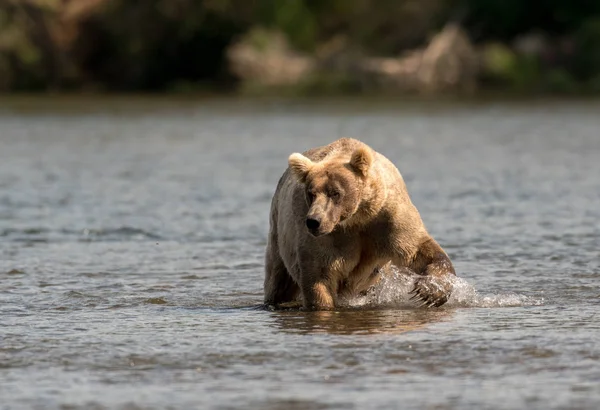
435,285
318,296
316,279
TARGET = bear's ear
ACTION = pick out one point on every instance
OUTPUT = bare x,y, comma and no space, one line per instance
300,165
361,161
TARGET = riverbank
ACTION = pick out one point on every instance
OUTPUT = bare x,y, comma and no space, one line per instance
298,47
187,104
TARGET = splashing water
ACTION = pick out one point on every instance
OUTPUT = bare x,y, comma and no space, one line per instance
393,291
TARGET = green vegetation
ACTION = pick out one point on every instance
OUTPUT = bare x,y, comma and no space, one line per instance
181,46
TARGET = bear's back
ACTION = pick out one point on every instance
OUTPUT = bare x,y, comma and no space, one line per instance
340,147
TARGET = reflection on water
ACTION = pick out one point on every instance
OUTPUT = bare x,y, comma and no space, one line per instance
359,321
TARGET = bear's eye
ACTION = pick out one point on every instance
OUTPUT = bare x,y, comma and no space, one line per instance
311,196
334,194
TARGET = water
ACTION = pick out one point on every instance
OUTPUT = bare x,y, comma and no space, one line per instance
131,258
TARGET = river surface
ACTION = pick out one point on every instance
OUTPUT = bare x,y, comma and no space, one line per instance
132,237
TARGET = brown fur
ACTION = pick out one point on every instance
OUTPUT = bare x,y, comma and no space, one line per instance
341,214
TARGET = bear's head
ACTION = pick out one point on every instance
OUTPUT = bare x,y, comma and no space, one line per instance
334,189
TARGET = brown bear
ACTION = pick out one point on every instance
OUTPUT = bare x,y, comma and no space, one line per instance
340,216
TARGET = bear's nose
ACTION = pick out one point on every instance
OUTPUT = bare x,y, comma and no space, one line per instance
312,224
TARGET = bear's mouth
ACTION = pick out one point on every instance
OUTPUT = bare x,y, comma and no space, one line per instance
320,231
317,232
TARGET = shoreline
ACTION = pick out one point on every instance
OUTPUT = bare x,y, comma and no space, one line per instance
75,102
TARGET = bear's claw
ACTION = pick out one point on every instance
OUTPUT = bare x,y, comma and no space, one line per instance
431,291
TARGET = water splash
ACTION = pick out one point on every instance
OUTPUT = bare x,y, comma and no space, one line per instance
393,291
465,295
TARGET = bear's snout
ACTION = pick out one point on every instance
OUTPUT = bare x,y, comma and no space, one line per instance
313,223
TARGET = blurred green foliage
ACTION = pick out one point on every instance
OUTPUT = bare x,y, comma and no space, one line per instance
181,44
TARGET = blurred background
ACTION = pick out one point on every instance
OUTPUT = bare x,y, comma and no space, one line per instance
300,46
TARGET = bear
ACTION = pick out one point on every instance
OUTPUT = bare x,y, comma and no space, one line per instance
340,217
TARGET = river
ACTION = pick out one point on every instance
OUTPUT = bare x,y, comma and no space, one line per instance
132,236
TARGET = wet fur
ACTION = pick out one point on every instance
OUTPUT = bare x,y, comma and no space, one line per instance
371,226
